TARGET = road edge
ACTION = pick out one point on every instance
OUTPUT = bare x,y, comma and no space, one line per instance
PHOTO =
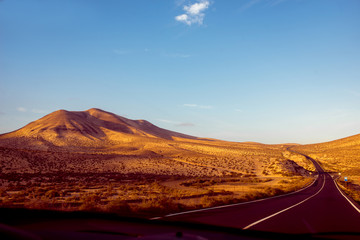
346,197
284,210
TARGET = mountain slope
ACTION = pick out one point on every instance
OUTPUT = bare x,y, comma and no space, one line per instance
97,140
91,128
342,155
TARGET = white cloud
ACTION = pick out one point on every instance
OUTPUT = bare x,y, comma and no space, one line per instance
183,18
21,109
197,106
197,8
194,13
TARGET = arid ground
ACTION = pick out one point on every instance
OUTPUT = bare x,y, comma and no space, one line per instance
98,161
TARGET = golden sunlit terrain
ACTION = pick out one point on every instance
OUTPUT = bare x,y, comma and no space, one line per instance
96,160
341,157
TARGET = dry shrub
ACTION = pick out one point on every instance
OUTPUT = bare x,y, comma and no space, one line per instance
39,204
89,207
6,202
52,194
90,202
351,189
271,191
208,201
253,196
19,197
160,205
3,192
91,198
118,206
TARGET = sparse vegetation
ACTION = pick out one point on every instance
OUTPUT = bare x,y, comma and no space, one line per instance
129,173
351,189
142,197
339,156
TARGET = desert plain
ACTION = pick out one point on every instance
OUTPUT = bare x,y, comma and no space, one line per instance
95,160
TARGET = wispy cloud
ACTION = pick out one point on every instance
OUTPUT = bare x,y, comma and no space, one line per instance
194,13
38,111
238,110
179,3
177,124
251,3
276,2
197,106
185,124
168,121
21,109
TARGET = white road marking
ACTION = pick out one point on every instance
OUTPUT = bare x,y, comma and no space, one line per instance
266,218
235,204
352,204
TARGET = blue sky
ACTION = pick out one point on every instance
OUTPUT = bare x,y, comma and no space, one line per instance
269,71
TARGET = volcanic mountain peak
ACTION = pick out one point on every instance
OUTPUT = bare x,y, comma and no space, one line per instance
103,115
93,126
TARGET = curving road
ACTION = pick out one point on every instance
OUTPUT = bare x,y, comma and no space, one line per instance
319,208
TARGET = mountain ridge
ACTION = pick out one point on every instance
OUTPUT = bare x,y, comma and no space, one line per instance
93,127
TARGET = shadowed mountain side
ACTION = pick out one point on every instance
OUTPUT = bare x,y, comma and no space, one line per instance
91,128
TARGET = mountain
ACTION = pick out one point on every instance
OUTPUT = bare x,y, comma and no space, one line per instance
90,128
99,141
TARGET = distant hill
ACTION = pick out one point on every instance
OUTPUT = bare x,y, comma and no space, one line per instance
90,128
342,155
350,142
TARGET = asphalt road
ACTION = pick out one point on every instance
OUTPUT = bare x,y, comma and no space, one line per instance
319,208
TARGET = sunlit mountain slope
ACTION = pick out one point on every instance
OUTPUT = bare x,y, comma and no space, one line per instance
98,141
342,155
